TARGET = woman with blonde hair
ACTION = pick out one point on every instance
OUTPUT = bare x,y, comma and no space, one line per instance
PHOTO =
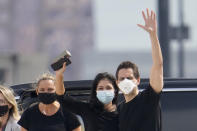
9,114
48,115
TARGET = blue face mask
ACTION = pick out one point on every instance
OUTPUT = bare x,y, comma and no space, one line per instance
105,96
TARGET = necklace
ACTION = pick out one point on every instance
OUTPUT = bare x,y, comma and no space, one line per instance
44,112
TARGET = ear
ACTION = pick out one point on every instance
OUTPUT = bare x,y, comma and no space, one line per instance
9,106
138,81
37,91
117,82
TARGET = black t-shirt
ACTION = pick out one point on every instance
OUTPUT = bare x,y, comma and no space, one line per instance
143,113
93,121
33,120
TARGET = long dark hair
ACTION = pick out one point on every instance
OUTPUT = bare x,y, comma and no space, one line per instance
94,102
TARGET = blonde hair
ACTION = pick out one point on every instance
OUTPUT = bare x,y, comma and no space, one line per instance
44,76
8,94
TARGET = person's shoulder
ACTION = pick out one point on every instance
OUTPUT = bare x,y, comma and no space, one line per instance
67,113
12,124
11,120
149,90
28,116
148,95
120,105
31,109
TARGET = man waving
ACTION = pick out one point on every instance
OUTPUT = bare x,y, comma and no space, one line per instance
141,110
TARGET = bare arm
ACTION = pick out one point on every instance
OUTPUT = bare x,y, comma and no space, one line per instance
77,129
156,74
59,83
23,129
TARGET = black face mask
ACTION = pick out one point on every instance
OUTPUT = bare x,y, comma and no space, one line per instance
47,98
3,110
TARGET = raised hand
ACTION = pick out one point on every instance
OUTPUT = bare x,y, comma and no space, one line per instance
150,22
62,70
156,74
59,83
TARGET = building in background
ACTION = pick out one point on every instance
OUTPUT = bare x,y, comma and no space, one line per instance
98,35
35,31
67,24
109,61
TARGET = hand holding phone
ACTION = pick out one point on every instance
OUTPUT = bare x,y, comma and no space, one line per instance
59,60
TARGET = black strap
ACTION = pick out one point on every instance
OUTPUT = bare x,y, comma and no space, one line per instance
63,116
160,118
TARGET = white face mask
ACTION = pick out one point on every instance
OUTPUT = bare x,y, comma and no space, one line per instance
127,86
105,96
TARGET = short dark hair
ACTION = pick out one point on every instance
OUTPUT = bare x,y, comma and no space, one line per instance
126,65
94,102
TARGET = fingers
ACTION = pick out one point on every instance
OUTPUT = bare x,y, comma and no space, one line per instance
147,11
154,16
144,16
149,16
61,70
64,65
150,21
141,26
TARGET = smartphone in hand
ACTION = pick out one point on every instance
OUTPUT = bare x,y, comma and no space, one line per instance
59,60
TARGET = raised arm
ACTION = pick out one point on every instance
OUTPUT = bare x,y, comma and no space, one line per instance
59,83
68,103
156,74
77,129
23,129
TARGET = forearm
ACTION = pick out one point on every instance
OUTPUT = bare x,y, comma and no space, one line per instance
59,84
77,129
156,50
70,104
156,75
23,129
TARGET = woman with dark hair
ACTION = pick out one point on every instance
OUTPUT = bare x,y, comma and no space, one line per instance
99,114
98,91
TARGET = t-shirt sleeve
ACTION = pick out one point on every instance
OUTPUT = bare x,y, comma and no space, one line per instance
24,120
72,120
150,96
71,104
